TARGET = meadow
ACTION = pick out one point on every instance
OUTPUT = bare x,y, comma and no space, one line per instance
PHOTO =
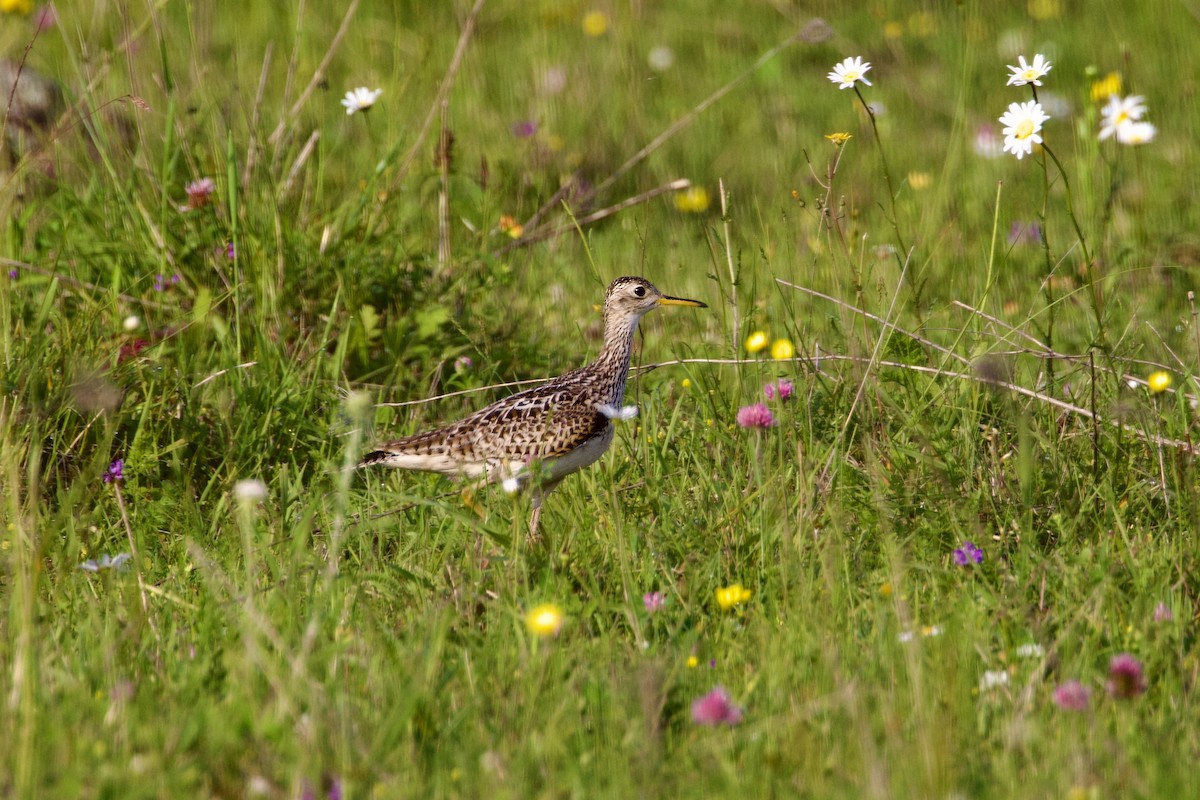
909,511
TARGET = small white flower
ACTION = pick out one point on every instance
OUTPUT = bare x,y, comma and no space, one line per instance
661,58
131,323
510,485
1136,133
1030,650
1120,111
993,679
1029,73
849,72
1022,127
250,490
361,99
619,414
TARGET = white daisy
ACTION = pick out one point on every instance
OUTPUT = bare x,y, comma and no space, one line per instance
993,679
1022,126
361,99
1030,650
849,72
1120,111
1136,132
1029,73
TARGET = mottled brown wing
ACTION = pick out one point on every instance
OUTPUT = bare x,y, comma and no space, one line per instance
543,422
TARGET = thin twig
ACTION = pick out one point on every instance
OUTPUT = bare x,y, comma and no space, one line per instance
549,233
880,320
443,161
221,372
815,30
252,146
317,77
305,152
443,91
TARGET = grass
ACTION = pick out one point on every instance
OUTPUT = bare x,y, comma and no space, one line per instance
364,633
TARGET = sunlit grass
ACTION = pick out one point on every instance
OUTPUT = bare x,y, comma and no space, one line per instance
909,512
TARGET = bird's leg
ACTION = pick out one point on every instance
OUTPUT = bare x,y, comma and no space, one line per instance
534,536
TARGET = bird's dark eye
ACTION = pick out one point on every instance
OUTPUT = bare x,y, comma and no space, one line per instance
640,291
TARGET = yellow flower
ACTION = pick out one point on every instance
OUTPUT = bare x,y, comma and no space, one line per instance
16,6
1044,9
892,30
730,596
693,662
886,589
920,180
756,342
544,620
686,383
782,350
1158,381
693,200
595,23
508,224
1107,86
839,139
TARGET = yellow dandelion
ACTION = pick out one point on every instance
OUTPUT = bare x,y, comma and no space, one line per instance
693,200
16,6
1158,382
544,620
756,342
595,23
886,589
686,383
1106,87
693,662
730,596
782,349
839,139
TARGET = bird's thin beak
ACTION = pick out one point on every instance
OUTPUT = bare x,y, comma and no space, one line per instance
680,301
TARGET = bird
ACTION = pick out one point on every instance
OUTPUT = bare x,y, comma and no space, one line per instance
535,438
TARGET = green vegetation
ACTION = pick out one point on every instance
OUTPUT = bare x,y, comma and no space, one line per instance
958,378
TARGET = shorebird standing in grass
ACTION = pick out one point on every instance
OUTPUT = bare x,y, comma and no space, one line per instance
535,438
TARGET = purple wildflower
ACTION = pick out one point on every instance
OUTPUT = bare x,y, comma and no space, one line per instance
159,283
45,18
12,273
198,193
755,416
1125,677
1072,696
463,364
115,472
1162,613
524,129
1025,233
968,554
782,388
229,252
716,708
653,601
